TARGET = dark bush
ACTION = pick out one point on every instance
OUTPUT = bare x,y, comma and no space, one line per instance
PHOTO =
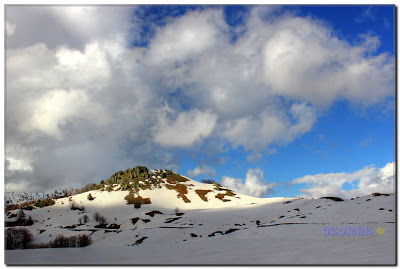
84,240
75,207
29,222
44,203
207,181
85,218
99,218
90,197
21,214
62,241
336,199
18,238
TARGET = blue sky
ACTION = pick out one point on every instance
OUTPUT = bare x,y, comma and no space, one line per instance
267,100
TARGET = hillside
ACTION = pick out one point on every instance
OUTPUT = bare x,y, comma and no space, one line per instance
170,219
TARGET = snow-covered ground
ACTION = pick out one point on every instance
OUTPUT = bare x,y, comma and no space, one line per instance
245,230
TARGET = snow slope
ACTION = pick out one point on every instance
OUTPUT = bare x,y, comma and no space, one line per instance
244,230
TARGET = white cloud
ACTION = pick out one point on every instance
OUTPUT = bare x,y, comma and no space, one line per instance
370,179
252,185
254,157
201,170
303,59
187,37
187,128
270,126
56,107
10,28
74,26
19,164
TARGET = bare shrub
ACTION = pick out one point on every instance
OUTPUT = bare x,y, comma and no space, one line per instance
176,210
21,214
75,207
62,241
18,238
99,218
85,218
84,240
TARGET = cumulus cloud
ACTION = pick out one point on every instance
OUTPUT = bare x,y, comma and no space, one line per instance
303,59
74,26
201,170
252,185
188,128
81,102
370,179
187,37
270,127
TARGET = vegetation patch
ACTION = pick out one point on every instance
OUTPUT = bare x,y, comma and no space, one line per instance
12,215
216,186
76,207
231,230
202,194
154,212
21,221
181,189
221,196
114,226
175,178
139,241
62,241
137,201
169,220
135,220
44,202
379,194
69,227
214,233
228,192
18,238
145,220
336,199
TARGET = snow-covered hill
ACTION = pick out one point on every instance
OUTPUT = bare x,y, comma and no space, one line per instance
15,198
176,220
